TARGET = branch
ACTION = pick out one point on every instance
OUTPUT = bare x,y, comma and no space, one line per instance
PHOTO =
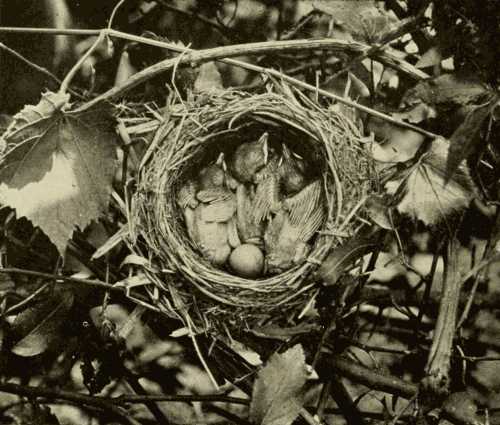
31,64
59,279
194,57
366,376
437,370
223,54
94,283
76,398
126,399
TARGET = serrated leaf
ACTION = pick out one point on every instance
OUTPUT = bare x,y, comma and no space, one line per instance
464,141
40,325
364,19
423,194
278,392
58,167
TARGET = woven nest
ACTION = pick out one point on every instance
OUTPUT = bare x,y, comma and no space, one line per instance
188,286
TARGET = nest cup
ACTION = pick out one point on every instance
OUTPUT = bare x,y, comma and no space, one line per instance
186,285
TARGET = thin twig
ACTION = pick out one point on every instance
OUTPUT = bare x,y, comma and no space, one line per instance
407,26
226,32
113,13
31,64
126,399
89,282
58,278
20,305
366,376
49,394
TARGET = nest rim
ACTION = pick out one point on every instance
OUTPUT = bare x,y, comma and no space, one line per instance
193,132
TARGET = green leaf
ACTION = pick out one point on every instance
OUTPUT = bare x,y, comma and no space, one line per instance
278,392
58,167
464,141
39,326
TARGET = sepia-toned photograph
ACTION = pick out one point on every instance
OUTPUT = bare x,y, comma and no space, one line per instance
249,212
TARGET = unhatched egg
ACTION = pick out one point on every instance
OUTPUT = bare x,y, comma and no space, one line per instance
247,260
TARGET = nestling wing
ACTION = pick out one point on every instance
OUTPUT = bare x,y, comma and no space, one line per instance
302,205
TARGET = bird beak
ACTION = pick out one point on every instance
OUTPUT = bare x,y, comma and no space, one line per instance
221,162
265,147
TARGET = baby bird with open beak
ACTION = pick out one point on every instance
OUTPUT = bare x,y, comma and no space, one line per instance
287,235
292,171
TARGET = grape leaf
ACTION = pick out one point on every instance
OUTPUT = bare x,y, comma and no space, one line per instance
424,194
58,166
364,19
40,325
278,392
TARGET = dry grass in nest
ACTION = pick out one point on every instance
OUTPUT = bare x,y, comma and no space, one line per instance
187,285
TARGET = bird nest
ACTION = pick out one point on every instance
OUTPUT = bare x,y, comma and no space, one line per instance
188,286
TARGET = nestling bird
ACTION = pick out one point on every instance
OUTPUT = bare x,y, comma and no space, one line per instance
219,203
212,175
287,235
186,199
267,191
249,158
214,227
249,229
292,171
212,238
